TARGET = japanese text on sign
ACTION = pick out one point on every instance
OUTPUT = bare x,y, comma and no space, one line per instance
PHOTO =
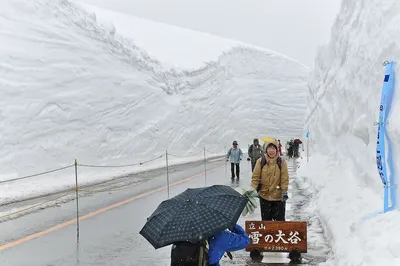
292,238
277,236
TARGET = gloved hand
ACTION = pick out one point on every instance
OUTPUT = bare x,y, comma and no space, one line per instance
249,192
248,159
285,196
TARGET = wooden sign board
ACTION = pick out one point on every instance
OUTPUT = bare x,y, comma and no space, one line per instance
277,236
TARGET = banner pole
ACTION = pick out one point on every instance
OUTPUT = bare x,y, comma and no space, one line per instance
205,168
77,201
166,161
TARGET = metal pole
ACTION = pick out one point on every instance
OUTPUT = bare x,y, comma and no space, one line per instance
308,140
166,160
225,162
77,201
205,168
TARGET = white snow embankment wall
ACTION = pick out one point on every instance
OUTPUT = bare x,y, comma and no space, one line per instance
343,104
74,89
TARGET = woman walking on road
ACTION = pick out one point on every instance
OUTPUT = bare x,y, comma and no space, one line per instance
271,180
235,155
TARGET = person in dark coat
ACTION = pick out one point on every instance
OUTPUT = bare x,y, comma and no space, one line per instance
226,241
290,149
255,152
296,147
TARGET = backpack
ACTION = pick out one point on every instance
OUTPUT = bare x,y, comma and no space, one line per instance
189,254
278,161
253,148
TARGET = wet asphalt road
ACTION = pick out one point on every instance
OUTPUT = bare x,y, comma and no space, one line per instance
112,237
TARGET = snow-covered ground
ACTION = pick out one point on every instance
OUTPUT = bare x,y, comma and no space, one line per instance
73,88
343,105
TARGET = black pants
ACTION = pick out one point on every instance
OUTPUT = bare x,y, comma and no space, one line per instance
290,154
272,210
233,170
296,152
253,164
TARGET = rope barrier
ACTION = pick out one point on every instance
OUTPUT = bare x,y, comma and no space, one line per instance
122,165
112,188
126,186
222,150
39,174
105,166
185,156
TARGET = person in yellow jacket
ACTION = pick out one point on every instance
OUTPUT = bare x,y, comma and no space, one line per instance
271,180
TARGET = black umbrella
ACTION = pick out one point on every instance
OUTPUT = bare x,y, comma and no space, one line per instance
194,215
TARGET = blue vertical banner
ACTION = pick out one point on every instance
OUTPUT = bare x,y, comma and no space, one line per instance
384,161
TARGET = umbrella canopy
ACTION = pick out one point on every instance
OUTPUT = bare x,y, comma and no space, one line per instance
194,215
268,139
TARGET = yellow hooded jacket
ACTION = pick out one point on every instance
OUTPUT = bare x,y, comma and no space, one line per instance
273,180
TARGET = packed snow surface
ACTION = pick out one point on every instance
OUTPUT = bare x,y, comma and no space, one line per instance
73,88
343,104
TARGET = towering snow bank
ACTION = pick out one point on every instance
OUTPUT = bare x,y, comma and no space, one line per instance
173,46
343,105
71,87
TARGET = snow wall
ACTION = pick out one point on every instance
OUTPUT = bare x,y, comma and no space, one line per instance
73,88
343,104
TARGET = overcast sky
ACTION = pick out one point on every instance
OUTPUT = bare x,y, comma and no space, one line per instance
292,27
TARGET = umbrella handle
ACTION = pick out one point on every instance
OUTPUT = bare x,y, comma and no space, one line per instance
229,255
201,256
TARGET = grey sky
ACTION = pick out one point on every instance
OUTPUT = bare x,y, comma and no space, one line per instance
292,27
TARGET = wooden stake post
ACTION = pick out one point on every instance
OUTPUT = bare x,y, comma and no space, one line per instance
277,236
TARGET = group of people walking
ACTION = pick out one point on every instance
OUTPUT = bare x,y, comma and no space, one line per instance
292,148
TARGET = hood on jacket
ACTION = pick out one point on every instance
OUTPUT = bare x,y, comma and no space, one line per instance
275,143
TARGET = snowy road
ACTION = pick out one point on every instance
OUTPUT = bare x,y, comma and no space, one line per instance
111,237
